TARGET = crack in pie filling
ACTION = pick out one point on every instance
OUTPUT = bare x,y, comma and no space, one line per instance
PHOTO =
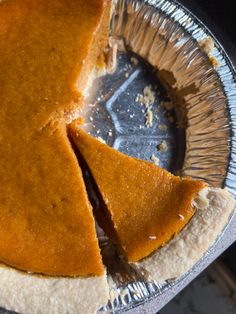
51,261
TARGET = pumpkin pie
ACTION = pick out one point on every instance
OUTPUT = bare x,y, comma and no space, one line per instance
48,51
146,205
51,263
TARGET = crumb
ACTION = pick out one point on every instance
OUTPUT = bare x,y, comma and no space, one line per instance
148,96
149,118
126,74
207,44
181,217
98,99
136,293
138,98
101,140
152,237
131,116
168,105
155,159
110,133
98,131
163,146
147,99
134,60
162,127
91,118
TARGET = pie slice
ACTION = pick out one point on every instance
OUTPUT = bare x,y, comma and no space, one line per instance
146,204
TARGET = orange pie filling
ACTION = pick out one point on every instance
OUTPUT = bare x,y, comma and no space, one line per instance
47,52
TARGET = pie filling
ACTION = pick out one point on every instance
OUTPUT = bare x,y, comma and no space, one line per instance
48,49
46,223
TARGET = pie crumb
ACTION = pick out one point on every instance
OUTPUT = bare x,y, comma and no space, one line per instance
101,140
149,118
155,160
148,96
134,60
136,293
152,237
207,44
163,146
181,217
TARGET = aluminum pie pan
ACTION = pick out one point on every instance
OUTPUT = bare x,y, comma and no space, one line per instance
164,21
168,37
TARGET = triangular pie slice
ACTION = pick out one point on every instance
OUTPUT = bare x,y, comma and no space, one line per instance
146,204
